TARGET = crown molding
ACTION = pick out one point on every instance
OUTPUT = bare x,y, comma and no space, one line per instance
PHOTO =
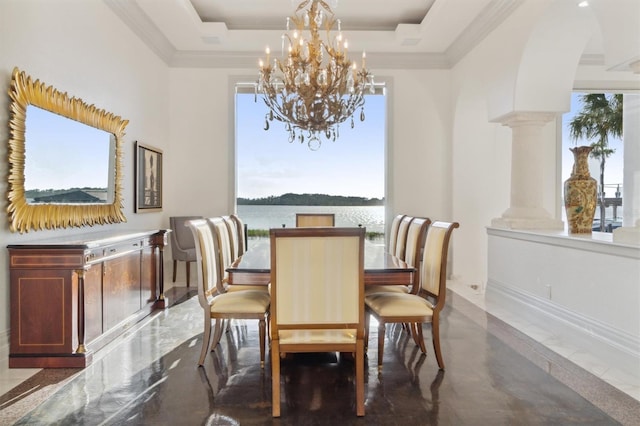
134,17
488,20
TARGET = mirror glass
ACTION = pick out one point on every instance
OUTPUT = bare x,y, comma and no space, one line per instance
51,140
64,159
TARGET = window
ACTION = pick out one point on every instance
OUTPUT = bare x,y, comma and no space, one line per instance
613,171
268,165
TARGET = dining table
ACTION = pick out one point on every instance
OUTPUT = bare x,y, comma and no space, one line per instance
380,267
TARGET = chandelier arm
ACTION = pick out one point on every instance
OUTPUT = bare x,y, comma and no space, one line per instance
303,5
325,5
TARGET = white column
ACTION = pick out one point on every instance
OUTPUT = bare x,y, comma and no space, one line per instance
526,209
630,231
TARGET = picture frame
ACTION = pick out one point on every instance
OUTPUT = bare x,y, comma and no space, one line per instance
148,166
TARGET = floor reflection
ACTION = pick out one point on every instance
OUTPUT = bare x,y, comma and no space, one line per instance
152,378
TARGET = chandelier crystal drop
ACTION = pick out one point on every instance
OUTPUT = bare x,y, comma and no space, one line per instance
314,87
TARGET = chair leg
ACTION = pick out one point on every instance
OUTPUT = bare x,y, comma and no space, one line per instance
420,337
360,378
275,378
206,339
435,332
415,334
188,267
263,332
217,335
268,337
367,320
175,264
381,331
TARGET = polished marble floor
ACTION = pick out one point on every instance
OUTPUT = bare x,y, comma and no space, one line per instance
495,375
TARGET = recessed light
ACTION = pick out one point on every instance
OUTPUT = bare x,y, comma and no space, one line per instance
584,3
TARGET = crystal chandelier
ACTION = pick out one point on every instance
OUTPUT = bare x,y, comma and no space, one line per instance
315,87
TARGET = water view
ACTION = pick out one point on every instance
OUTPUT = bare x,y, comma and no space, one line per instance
274,216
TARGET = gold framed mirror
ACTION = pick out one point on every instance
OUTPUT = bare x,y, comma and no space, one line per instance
61,204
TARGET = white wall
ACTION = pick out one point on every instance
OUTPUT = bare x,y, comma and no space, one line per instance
199,160
80,47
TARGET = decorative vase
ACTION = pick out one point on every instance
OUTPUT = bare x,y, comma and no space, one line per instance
580,193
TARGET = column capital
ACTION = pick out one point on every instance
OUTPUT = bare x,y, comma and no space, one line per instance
526,118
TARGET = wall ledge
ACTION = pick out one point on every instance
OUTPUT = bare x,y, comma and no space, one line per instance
598,242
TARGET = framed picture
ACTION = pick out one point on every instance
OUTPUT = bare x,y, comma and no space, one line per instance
148,178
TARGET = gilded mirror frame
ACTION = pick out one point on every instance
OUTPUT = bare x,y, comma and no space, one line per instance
23,217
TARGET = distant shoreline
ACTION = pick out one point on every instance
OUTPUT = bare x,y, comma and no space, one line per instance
291,199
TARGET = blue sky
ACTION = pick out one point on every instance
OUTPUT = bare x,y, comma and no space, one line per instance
269,165
62,153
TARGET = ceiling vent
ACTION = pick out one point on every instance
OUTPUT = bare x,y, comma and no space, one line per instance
410,41
211,39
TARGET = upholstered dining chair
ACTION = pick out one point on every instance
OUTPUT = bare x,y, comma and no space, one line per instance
242,236
424,307
182,245
225,253
234,237
393,233
415,239
315,219
317,298
401,239
220,307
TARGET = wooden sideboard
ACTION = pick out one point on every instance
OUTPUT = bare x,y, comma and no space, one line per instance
71,298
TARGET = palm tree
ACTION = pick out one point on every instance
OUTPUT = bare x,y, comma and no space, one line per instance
601,117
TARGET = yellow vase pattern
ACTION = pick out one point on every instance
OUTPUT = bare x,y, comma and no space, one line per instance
580,193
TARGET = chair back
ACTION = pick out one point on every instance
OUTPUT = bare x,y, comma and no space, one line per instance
416,235
206,260
182,242
234,238
401,240
393,233
315,219
317,279
433,275
224,248
242,237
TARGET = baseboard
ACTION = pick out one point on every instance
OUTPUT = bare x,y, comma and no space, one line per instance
4,345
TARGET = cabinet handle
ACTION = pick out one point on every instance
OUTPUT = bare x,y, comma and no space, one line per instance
113,250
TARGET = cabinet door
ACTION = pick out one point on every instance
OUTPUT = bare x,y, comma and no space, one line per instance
121,288
42,306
